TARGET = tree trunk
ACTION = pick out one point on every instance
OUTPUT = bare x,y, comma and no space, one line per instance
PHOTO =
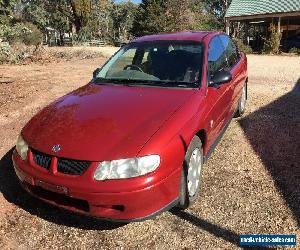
77,25
61,37
76,20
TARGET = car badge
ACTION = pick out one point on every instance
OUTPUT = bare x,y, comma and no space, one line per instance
56,148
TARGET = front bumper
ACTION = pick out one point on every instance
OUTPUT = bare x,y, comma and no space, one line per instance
135,200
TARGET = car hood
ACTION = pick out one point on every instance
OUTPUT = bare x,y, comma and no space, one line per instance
103,122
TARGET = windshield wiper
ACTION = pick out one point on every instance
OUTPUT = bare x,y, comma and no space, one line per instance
101,80
175,84
141,82
123,81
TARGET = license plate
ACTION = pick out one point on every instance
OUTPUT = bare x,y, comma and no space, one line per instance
51,187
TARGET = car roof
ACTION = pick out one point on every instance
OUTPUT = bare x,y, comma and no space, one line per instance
196,36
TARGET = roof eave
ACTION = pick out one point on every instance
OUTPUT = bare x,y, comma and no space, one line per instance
260,16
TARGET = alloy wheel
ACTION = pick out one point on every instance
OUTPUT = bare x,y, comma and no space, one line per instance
194,171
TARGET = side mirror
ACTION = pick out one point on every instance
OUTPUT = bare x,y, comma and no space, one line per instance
220,77
96,72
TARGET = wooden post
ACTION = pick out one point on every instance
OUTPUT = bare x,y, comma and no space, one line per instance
246,34
46,36
279,24
288,28
227,27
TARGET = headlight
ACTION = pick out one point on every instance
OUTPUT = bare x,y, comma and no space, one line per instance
128,168
22,148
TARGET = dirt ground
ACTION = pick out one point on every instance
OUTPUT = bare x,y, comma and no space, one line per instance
251,184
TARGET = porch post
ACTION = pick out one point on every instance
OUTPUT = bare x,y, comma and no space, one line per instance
288,25
227,27
246,34
279,24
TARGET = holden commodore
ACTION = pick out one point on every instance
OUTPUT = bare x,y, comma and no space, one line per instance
132,142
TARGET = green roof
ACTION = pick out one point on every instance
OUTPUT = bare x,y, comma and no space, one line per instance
256,7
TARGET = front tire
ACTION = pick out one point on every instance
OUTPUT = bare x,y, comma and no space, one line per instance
191,174
242,102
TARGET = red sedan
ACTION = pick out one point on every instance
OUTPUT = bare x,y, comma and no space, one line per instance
132,142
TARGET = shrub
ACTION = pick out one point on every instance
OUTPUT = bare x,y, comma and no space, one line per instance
83,35
19,52
295,50
13,33
33,37
26,33
5,52
242,47
68,54
272,43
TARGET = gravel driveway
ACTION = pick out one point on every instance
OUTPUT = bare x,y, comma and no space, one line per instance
251,184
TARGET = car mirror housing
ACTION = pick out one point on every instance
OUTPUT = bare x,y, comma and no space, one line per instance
221,77
96,72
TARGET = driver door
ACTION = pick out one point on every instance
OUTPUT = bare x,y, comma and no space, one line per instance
218,97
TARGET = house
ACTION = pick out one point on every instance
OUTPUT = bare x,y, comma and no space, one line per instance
257,15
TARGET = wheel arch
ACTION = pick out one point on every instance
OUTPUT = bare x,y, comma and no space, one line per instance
246,83
203,137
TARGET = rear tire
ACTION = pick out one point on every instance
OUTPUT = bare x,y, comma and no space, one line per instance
191,174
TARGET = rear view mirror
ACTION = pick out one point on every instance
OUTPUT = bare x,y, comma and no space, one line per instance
221,77
95,73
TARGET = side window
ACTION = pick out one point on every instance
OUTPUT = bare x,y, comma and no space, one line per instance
216,56
231,51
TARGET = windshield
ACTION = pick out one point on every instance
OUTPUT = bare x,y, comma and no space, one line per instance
163,63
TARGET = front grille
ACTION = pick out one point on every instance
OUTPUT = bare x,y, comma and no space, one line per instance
72,167
41,159
65,166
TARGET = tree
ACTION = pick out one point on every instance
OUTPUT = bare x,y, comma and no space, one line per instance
111,21
36,12
218,8
154,16
188,15
48,13
179,15
7,10
100,24
6,6
123,16
81,10
150,18
202,19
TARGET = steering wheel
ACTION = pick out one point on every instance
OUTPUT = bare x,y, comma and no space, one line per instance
134,67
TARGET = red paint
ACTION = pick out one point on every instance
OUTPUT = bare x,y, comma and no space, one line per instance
101,122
